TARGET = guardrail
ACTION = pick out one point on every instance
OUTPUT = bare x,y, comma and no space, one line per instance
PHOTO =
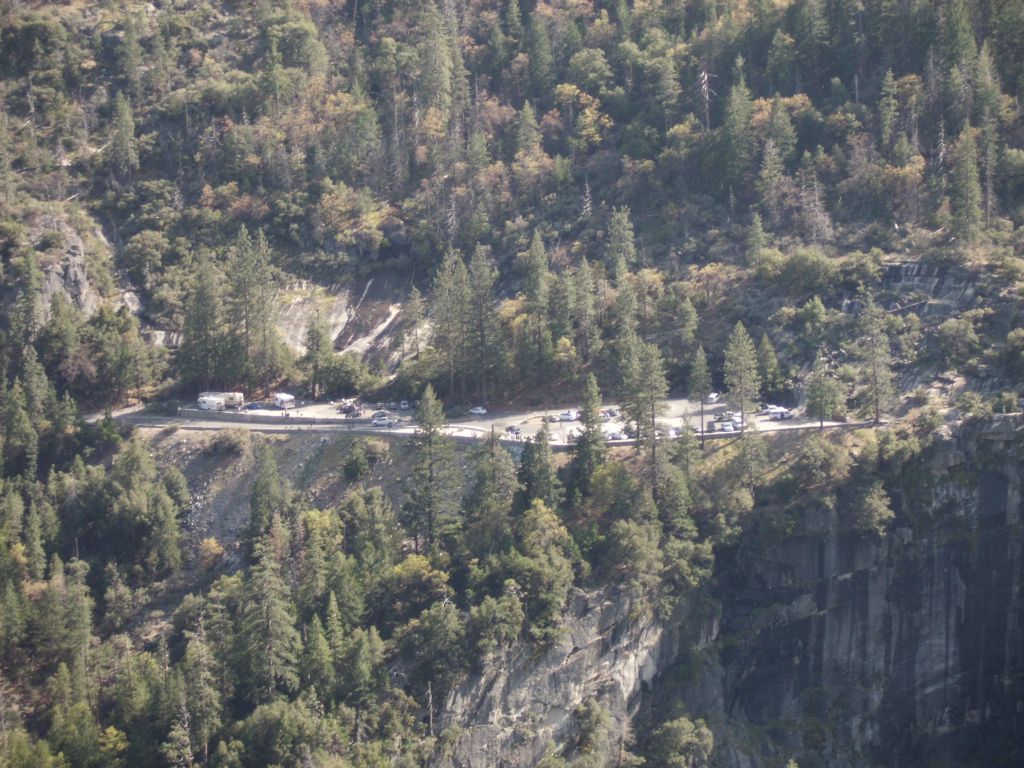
255,417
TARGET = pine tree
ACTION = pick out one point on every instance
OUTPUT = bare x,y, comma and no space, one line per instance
541,60
588,336
252,309
537,472
772,184
513,20
483,274
319,348
202,690
650,391
755,240
527,131
269,493
620,254
131,59
488,499
449,299
887,110
590,449
768,366
875,356
824,395
270,639
781,131
122,152
435,55
737,134
432,497
699,384
177,749
334,629
741,374
538,292
317,660
965,187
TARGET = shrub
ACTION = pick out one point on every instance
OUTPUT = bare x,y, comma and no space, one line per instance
872,511
233,441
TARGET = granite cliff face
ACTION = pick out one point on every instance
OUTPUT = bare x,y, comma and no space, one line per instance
842,650
830,646
510,712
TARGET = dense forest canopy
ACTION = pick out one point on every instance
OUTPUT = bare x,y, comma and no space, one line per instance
579,197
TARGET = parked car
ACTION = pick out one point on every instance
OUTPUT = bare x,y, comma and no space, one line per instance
613,412
404,405
567,416
513,430
781,415
551,419
713,398
727,426
384,421
605,415
768,410
478,410
616,436
356,414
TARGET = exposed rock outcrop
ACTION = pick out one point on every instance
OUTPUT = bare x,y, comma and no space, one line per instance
513,709
69,274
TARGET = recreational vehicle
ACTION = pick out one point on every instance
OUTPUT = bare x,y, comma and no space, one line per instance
283,400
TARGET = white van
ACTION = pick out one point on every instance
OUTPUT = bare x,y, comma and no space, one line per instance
284,400
208,402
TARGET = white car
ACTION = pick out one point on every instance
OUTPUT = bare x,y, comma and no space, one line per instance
478,410
568,416
383,421
713,398
726,426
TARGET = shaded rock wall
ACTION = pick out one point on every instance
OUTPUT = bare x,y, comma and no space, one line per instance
830,647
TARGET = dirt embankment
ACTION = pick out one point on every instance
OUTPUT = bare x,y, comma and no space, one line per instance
220,466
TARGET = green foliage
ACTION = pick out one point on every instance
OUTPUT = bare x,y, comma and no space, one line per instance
682,743
825,400
742,378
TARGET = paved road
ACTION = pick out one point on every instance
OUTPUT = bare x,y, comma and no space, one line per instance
680,414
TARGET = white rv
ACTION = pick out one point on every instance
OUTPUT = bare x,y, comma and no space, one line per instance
284,400
233,399
209,401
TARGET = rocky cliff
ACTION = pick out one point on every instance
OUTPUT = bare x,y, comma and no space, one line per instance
830,646
845,650
512,711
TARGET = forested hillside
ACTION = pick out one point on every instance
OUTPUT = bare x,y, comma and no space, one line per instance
818,203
